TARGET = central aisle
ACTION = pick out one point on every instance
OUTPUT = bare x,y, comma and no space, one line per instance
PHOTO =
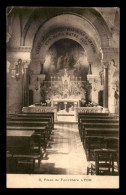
65,153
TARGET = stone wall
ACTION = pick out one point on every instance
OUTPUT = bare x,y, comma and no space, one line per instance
15,95
15,86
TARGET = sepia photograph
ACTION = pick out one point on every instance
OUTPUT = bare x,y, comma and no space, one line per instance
62,102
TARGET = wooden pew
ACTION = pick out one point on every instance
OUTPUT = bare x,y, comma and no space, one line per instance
108,120
90,120
92,115
15,118
39,121
36,115
82,116
96,113
99,138
95,116
104,162
45,134
42,114
99,131
20,145
109,124
42,131
94,133
27,123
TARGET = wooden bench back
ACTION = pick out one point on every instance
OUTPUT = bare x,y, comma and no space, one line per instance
27,123
100,125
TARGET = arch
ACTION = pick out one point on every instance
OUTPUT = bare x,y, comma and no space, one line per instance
91,14
59,27
91,54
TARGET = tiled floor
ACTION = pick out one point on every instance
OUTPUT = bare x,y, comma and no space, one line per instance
65,153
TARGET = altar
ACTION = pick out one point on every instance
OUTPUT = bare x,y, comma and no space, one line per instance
66,106
65,94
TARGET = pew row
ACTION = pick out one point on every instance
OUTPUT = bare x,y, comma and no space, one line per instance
100,131
23,147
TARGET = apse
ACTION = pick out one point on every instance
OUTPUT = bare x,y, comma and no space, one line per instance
66,54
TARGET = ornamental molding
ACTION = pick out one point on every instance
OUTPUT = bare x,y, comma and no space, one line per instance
19,49
108,49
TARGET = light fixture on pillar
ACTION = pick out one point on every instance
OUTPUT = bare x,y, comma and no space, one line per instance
18,70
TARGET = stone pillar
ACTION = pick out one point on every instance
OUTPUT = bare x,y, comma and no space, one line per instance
113,81
25,86
55,112
105,91
59,108
94,81
76,111
65,103
51,103
40,80
90,68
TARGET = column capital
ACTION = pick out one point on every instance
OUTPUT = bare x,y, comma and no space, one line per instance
23,49
92,78
13,54
106,64
90,62
90,69
14,61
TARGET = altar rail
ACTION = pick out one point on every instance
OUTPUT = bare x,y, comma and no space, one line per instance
40,109
90,109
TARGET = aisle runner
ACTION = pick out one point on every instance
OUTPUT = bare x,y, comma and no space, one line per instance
65,153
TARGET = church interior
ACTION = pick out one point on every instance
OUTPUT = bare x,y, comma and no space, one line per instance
62,90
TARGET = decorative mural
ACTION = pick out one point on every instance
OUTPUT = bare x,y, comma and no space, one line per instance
68,54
